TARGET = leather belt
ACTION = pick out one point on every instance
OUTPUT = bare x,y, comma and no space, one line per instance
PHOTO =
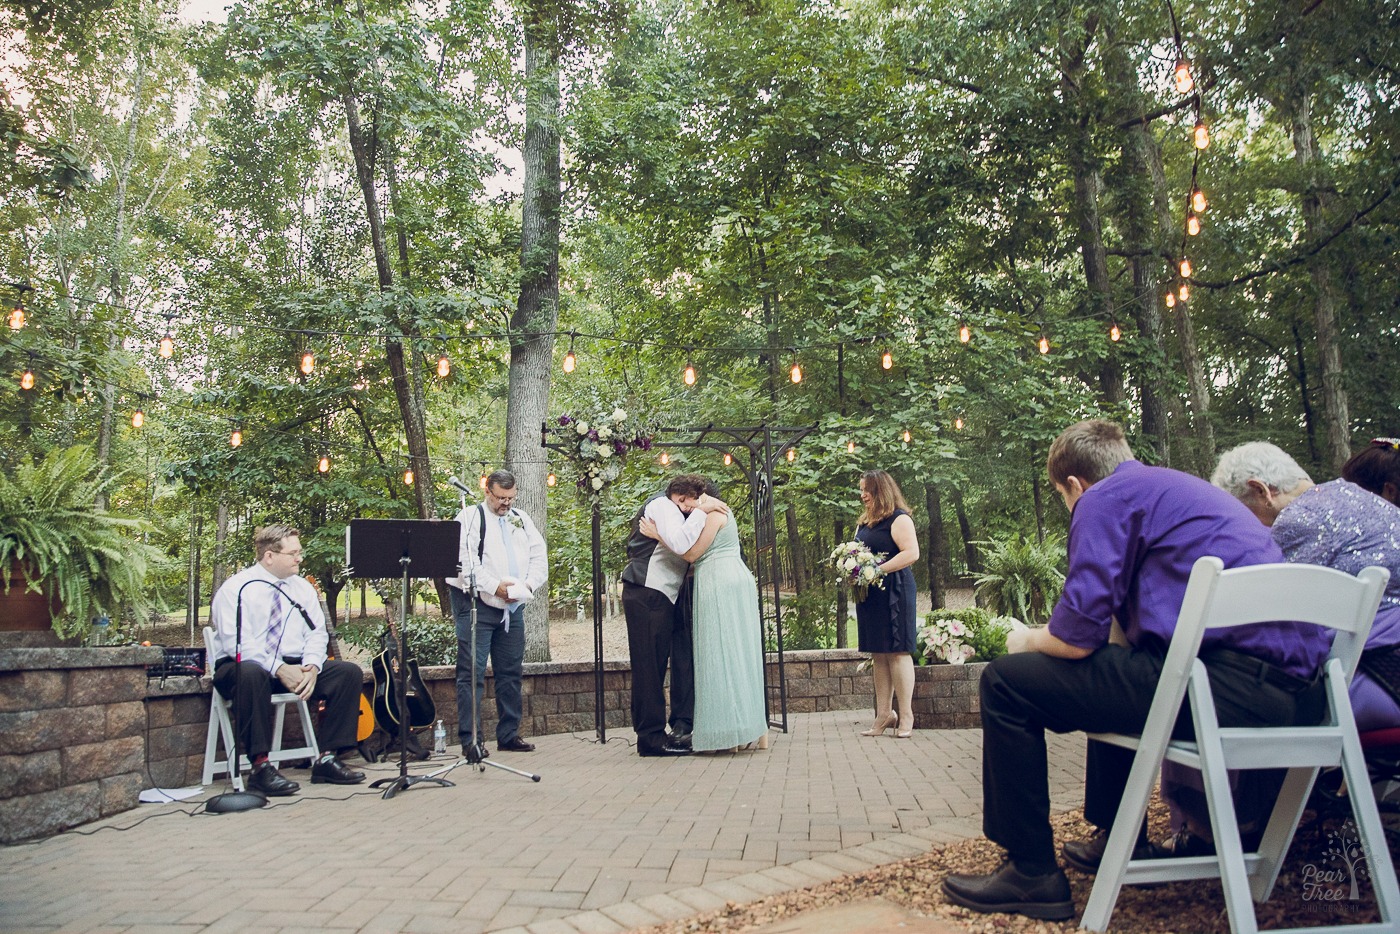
1262,671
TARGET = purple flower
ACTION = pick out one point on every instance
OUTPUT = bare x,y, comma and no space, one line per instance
565,420
643,444
593,435
619,447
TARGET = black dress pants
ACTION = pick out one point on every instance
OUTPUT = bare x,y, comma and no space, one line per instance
339,684
682,718
651,642
1110,691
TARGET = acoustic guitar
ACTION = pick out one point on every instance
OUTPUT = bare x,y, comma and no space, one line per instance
419,709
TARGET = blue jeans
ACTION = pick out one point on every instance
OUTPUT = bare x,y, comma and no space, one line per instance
507,653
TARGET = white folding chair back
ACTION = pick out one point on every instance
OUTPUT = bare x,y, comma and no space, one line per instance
221,726
1218,598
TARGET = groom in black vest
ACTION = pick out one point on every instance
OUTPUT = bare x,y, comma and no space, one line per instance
656,603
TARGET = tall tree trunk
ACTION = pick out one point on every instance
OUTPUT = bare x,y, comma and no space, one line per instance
1305,393
1329,351
220,544
843,603
406,392
937,548
974,561
1141,198
1088,182
799,570
537,310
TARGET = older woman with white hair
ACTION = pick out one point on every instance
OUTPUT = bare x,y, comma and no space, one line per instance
1347,524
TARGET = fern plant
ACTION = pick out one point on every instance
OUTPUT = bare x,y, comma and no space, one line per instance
86,561
1021,577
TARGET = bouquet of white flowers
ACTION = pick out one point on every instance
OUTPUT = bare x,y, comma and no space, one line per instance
857,568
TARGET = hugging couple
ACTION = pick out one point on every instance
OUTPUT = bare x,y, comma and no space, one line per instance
706,625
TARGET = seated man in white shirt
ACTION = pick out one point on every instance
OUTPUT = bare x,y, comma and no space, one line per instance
282,636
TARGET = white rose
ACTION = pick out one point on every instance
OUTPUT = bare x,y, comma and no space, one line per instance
604,451
596,483
581,427
619,415
869,573
604,433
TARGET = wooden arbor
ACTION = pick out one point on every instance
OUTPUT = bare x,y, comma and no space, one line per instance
761,446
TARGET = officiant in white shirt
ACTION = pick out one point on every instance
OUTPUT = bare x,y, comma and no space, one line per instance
501,545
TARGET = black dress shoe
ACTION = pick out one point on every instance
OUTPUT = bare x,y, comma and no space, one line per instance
269,781
665,749
334,772
678,739
515,744
1045,897
1086,855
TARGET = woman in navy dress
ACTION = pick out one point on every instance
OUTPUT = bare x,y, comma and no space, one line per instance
886,619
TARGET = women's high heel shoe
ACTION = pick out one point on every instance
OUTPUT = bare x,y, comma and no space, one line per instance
879,729
905,734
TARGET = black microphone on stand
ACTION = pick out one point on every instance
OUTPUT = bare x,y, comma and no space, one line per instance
231,801
466,490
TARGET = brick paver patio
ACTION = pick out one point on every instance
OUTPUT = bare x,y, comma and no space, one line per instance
606,842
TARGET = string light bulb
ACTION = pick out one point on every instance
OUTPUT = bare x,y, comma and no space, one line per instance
408,477
1171,299
850,447
235,439
1184,292
17,318
1198,200
308,362
886,360
1182,75
665,458
795,374
964,332
1043,343
1193,224
444,367
791,454
481,481
958,423
688,377
1201,136
1185,268
26,381
728,458
551,480
166,348
907,436
1115,333
570,360
324,464
138,418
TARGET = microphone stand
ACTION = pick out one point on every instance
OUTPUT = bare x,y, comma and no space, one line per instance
233,801
404,781
476,754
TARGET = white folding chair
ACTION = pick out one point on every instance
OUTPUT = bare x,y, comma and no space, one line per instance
221,725
1217,598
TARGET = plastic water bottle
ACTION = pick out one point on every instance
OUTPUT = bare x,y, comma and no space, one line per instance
440,739
101,630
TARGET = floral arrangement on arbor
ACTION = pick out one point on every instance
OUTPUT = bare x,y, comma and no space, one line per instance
598,447
857,568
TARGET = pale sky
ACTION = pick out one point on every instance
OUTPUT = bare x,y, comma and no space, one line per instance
204,11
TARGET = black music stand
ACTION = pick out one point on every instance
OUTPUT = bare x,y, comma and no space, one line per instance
407,548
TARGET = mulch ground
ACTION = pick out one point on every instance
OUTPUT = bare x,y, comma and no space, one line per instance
1192,907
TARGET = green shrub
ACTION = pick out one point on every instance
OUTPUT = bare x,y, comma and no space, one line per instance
1021,577
432,640
809,621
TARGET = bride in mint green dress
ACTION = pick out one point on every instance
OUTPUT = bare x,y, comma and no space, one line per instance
728,643
729,703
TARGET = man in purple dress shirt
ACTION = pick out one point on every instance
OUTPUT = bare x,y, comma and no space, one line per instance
1135,532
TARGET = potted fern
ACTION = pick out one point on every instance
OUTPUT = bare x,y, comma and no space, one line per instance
63,560
1022,577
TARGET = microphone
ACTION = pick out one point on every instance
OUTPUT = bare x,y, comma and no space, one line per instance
461,486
